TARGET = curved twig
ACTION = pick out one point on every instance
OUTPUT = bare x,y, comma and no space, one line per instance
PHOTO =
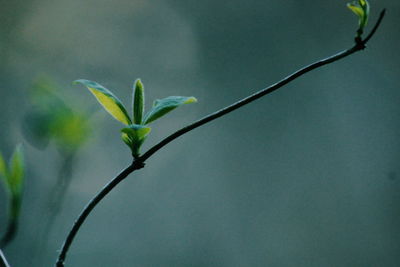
90,206
381,15
139,162
357,47
3,260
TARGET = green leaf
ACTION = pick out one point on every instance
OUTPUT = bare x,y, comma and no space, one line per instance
134,136
361,9
136,132
69,130
165,105
125,137
365,5
16,175
356,9
3,166
35,127
138,102
108,100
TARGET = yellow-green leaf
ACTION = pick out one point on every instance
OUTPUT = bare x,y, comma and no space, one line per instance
356,9
361,9
108,100
363,3
70,130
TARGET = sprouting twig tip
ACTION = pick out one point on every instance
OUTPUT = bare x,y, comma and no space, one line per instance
378,22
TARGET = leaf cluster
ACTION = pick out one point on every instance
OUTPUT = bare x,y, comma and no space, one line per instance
137,129
361,9
12,174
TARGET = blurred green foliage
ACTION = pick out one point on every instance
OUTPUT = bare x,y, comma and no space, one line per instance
51,118
12,175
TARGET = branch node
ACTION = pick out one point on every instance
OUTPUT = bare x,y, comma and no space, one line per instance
359,43
138,163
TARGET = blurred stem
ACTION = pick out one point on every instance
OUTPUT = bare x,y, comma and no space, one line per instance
138,163
56,199
12,225
3,260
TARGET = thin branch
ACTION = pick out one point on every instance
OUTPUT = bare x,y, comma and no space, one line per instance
55,201
138,163
357,47
381,15
3,260
91,205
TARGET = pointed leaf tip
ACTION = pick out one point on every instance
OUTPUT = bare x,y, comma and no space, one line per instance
165,105
138,102
108,100
356,9
191,99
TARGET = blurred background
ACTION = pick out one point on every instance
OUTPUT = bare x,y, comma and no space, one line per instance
307,176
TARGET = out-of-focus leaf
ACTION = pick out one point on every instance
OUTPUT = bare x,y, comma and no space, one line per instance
108,100
13,181
165,105
43,96
3,167
16,173
50,118
138,102
70,130
35,127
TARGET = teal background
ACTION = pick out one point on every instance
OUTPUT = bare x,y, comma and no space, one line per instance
307,176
